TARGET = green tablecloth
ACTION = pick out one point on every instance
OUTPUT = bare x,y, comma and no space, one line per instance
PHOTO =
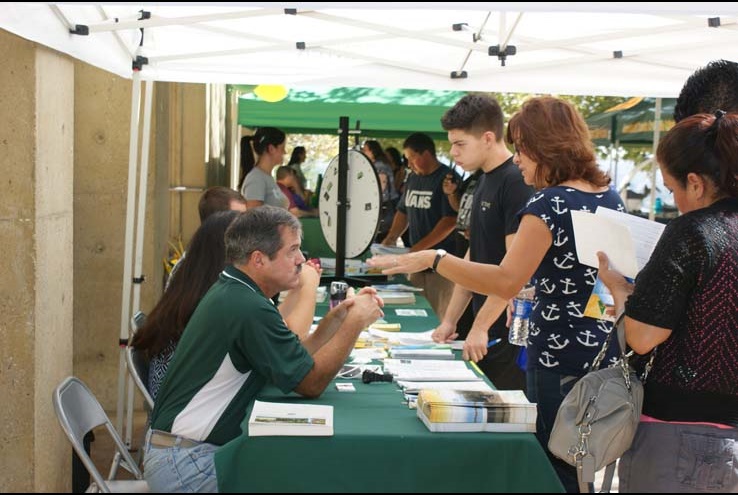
379,445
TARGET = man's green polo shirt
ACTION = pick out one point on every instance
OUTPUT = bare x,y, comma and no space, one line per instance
235,341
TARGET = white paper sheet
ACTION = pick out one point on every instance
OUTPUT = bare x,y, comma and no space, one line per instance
627,240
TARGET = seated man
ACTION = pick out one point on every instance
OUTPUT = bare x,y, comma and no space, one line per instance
288,184
234,343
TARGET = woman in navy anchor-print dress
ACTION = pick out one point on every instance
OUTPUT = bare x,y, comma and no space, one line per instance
561,339
555,155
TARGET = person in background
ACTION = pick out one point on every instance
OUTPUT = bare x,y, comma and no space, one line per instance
399,164
213,200
425,211
159,336
475,127
234,343
297,158
219,198
710,88
554,152
396,161
373,150
460,198
257,185
287,182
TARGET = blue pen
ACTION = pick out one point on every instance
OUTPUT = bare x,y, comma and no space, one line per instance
494,342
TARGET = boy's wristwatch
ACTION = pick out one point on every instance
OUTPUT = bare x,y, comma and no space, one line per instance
440,253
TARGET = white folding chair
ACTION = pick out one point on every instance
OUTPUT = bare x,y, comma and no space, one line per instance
79,412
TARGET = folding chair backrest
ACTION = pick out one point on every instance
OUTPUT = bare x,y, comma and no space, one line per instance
138,366
79,412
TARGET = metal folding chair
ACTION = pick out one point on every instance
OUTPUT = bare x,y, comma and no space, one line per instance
138,366
79,412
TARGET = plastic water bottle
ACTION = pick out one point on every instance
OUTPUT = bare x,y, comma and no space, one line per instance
522,306
658,206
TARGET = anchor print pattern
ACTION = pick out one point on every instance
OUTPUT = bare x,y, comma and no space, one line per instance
560,336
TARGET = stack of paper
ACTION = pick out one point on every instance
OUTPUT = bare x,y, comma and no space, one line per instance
430,370
290,419
421,353
460,411
401,338
413,388
627,240
400,287
379,249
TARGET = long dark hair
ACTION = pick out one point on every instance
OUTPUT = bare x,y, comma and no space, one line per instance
298,156
197,271
377,151
396,160
259,143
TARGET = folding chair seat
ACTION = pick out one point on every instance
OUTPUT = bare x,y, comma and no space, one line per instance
79,412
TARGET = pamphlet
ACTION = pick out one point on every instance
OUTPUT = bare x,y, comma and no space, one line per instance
290,419
627,240
600,304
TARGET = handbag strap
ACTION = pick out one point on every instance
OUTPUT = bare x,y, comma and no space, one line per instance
619,329
620,326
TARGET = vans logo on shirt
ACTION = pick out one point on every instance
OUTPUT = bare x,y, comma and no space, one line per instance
419,199
486,205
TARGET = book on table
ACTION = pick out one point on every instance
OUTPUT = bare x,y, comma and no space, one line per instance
470,411
397,297
290,419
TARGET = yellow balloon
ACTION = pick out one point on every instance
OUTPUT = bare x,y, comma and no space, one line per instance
271,92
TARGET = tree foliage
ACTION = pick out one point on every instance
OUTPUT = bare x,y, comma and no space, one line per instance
322,148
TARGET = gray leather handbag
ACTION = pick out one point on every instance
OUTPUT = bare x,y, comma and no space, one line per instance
598,418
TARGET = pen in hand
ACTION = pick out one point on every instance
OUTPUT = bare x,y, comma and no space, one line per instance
494,342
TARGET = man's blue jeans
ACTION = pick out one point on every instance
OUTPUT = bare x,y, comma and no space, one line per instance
176,469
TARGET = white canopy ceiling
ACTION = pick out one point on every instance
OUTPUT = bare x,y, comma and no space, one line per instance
561,47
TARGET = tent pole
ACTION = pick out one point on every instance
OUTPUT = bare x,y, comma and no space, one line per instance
616,160
343,137
654,164
140,226
235,140
125,306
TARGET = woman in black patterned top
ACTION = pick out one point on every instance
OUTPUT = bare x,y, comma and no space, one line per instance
685,301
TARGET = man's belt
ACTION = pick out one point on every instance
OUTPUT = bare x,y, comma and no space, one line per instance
165,440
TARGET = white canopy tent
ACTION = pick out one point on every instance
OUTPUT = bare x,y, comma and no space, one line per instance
599,48
617,49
